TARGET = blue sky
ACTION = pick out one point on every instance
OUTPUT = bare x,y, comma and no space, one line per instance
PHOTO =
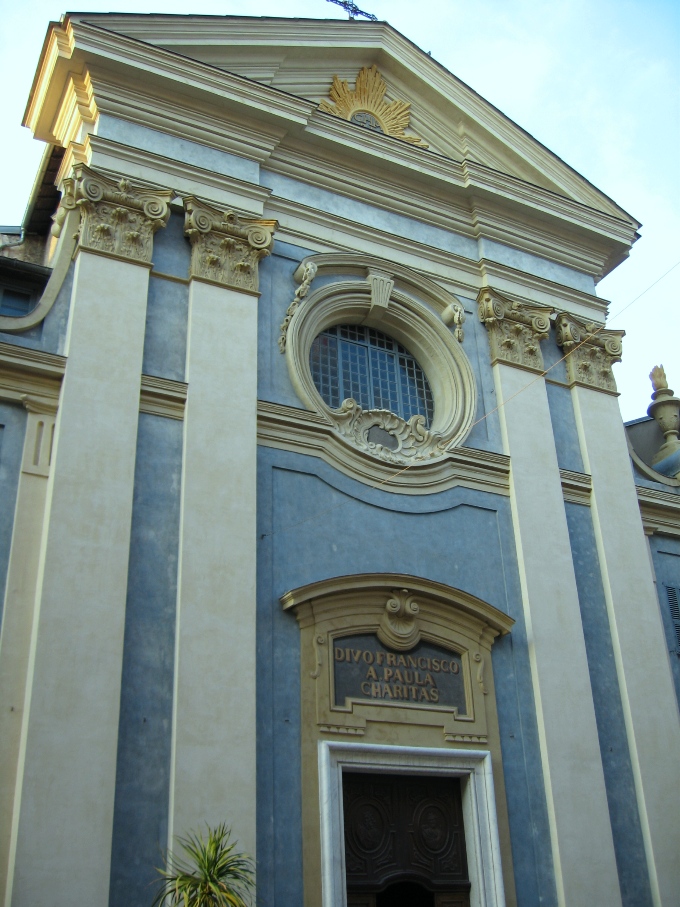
596,81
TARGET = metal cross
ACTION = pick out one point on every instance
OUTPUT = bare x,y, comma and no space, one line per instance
353,10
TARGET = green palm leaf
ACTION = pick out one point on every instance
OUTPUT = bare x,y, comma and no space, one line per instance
210,873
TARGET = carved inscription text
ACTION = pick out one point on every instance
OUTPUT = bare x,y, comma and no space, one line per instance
364,669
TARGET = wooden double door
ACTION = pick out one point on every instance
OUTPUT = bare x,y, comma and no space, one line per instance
404,841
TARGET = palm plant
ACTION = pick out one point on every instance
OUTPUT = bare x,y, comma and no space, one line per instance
210,874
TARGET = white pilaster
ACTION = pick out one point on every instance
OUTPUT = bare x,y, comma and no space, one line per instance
213,764
17,618
213,770
61,837
581,837
641,655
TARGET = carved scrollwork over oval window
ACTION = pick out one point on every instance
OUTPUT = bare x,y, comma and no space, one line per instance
422,320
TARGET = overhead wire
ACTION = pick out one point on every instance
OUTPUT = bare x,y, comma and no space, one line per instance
586,339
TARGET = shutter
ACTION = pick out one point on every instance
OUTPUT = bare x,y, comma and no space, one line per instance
674,605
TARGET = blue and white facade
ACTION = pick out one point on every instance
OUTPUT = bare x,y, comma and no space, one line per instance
189,530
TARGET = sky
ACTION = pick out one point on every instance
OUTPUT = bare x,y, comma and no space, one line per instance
596,81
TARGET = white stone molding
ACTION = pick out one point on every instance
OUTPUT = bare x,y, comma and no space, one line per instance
474,769
402,611
660,511
288,428
576,486
65,232
39,442
163,397
590,352
226,248
515,330
118,218
410,320
648,471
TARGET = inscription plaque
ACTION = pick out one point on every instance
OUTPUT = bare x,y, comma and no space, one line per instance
366,670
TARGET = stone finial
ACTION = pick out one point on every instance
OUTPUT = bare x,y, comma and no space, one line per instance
117,217
590,351
658,378
515,329
225,247
665,408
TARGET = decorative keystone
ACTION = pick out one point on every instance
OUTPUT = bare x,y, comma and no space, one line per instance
226,248
117,218
590,352
515,330
399,625
665,408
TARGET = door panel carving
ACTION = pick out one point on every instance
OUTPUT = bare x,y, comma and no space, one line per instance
400,827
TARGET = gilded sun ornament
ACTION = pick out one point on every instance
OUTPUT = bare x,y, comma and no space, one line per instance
366,106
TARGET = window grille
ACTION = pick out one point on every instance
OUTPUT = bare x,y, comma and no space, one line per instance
349,360
674,605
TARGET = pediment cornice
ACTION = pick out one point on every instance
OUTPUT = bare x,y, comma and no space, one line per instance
145,75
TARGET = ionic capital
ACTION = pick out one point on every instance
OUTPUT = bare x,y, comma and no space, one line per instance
515,329
225,247
590,352
117,218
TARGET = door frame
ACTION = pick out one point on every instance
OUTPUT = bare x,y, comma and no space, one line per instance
473,767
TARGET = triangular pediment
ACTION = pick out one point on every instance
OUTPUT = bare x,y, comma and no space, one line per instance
301,58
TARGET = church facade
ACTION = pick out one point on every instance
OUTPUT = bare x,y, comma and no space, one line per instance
319,516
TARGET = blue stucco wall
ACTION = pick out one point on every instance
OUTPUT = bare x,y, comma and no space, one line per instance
564,428
666,560
165,339
143,766
618,773
315,523
12,431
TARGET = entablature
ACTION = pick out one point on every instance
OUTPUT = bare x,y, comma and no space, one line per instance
87,70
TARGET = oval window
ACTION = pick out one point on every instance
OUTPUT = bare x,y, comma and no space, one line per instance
350,360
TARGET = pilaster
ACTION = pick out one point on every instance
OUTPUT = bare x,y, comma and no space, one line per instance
67,755
640,651
17,618
581,837
214,726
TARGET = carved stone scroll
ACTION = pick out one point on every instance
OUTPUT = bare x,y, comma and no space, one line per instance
399,627
590,352
515,330
118,218
305,275
387,436
226,248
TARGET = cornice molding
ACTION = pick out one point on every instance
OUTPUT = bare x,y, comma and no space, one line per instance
590,352
29,373
226,248
367,39
515,330
576,486
660,511
185,118
187,180
190,73
118,218
163,397
300,431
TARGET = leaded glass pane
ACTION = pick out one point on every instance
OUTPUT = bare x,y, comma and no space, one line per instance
353,361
